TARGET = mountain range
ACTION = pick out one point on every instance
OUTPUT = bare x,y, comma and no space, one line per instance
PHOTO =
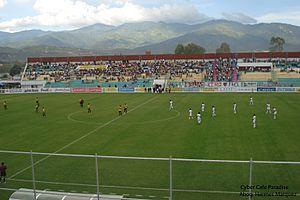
136,38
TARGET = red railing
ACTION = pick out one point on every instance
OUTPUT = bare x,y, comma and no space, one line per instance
78,59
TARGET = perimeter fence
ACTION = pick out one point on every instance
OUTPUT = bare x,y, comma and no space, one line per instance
96,177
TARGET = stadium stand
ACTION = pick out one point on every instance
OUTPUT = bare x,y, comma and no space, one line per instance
255,76
185,71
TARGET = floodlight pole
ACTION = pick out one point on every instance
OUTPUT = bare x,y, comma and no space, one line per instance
250,180
97,177
33,174
171,185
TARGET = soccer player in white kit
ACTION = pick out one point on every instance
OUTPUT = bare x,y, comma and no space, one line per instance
190,114
213,112
202,107
198,118
234,108
171,105
254,121
268,108
251,102
274,113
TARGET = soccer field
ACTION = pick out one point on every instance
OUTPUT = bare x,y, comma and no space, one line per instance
151,130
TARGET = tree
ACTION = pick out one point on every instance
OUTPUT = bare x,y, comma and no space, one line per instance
192,48
277,44
16,69
179,49
224,48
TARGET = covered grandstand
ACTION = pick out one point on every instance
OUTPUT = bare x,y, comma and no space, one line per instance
140,71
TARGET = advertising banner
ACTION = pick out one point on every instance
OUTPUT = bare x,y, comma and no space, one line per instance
249,84
266,89
226,89
37,90
13,91
32,90
223,84
140,90
213,84
79,90
126,89
176,89
45,90
246,89
110,90
60,90
191,89
194,84
210,89
285,89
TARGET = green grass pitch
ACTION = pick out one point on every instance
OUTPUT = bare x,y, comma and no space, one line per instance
151,130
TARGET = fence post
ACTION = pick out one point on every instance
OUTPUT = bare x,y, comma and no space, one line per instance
33,175
97,177
250,179
171,184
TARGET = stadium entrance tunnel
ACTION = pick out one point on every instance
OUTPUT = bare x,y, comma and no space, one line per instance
28,194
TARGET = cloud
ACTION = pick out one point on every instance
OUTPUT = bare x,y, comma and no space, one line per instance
2,3
239,17
68,14
22,2
290,17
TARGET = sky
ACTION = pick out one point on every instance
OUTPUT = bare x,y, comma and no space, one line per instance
17,15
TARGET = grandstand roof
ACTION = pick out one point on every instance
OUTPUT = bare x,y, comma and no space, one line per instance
260,55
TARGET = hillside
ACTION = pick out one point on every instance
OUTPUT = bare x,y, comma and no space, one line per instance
159,37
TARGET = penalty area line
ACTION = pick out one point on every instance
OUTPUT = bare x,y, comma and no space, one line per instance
80,138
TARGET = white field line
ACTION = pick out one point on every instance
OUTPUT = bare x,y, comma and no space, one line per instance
80,138
69,117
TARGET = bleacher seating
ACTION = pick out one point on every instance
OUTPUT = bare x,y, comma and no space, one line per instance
255,76
56,85
289,81
84,84
142,73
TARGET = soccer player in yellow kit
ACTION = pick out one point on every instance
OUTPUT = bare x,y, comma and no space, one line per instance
89,108
120,110
125,108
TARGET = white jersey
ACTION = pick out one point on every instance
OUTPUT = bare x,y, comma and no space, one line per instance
198,118
190,114
254,121
213,110
251,101
268,108
274,113
171,105
234,107
202,107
